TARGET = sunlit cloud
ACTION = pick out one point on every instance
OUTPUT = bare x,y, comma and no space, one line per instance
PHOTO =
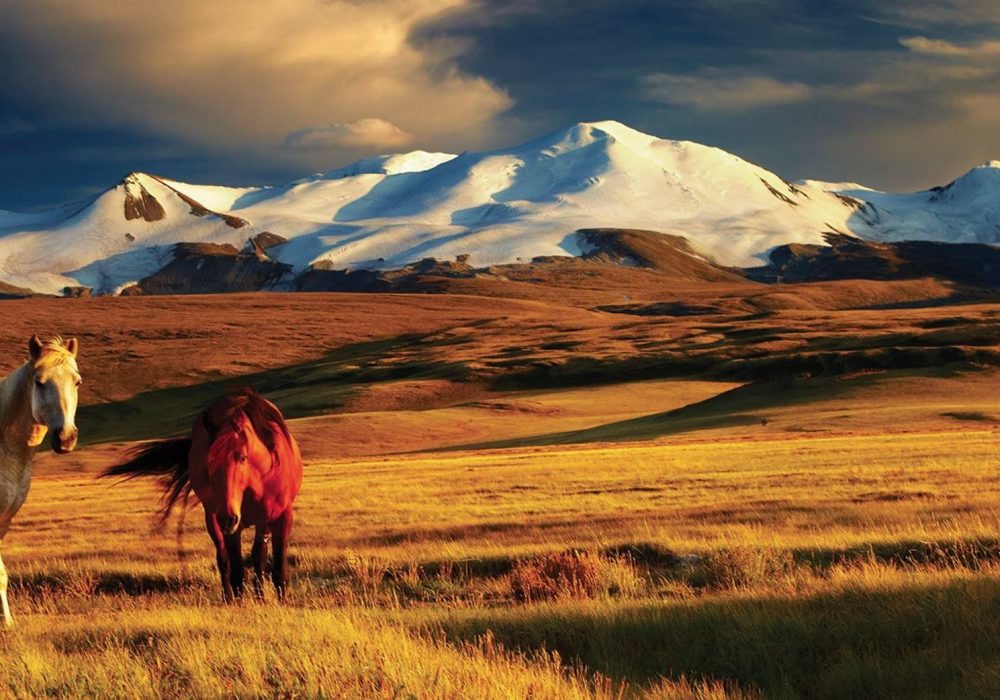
245,76
940,47
363,132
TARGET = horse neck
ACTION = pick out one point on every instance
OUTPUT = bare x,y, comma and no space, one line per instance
15,413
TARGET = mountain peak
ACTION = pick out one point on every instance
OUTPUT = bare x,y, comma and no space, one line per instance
585,134
136,176
392,164
616,128
982,179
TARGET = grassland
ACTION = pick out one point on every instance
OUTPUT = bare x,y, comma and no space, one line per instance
829,567
788,494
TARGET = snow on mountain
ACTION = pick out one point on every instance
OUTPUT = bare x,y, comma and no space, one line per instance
393,164
124,234
966,210
502,206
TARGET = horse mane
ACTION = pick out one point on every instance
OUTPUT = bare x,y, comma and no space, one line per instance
264,416
54,353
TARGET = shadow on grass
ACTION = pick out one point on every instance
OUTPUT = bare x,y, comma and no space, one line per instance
300,390
970,554
741,406
927,641
526,531
741,359
106,583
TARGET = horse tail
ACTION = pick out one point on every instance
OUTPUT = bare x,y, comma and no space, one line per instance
165,459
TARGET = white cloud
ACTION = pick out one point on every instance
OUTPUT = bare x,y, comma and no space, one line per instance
358,134
713,89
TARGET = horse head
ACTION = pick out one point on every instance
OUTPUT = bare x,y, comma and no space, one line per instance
55,381
235,462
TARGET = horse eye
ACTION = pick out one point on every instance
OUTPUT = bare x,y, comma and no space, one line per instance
39,383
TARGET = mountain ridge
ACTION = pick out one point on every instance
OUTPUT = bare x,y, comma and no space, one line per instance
497,207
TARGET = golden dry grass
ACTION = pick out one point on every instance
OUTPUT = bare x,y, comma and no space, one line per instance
401,565
765,515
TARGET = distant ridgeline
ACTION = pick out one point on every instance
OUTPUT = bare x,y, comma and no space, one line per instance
410,220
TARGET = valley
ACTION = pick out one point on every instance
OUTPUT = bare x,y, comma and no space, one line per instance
611,482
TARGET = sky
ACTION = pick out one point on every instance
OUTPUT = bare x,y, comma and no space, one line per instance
895,94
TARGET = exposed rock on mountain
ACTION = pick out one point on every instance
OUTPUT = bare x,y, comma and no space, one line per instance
844,257
207,268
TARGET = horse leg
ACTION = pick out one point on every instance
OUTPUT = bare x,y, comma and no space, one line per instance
280,530
5,619
234,548
259,556
221,555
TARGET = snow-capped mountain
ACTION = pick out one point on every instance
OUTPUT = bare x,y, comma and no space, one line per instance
966,210
499,207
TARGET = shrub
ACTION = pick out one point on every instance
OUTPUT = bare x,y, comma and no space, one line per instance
573,575
746,567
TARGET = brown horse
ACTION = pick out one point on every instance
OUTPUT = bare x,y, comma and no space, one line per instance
244,466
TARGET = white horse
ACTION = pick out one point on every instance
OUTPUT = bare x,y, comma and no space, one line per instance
38,397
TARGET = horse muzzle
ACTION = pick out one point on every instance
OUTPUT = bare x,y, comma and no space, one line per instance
64,441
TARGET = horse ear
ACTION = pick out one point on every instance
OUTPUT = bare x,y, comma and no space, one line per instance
35,347
71,346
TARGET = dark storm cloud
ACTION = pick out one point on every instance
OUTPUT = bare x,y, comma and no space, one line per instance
896,94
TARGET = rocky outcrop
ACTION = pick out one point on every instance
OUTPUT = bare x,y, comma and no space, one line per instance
266,240
209,268
198,209
323,277
139,203
9,291
846,257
